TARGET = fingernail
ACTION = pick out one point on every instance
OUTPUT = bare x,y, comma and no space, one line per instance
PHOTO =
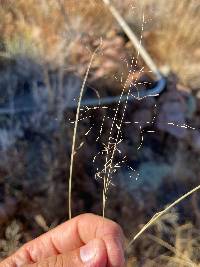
88,252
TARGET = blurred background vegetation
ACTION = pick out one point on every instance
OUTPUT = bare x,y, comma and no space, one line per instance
45,48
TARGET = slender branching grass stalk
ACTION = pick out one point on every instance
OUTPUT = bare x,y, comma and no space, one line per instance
158,215
138,45
75,131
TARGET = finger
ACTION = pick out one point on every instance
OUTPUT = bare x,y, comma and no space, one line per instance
91,255
72,235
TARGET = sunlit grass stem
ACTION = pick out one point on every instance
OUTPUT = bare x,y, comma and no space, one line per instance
158,215
75,132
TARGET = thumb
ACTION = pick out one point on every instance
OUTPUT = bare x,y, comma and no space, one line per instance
93,254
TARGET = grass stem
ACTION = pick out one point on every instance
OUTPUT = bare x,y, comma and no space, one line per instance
158,215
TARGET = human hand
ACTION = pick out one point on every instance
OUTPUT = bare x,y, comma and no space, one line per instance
85,241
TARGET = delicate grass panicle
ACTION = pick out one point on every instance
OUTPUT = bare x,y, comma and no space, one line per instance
109,159
110,149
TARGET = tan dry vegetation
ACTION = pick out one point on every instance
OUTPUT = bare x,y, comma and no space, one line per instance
171,30
47,29
173,37
180,249
185,250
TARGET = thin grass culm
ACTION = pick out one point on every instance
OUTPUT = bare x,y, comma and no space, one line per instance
75,132
158,215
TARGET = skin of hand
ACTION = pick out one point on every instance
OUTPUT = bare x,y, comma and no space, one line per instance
85,241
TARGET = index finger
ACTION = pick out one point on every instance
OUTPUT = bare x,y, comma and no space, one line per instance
71,235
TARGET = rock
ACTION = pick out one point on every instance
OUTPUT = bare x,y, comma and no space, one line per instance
171,119
191,106
172,112
149,174
142,116
195,140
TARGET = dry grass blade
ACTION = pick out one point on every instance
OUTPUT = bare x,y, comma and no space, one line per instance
158,215
75,131
179,256
178,261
